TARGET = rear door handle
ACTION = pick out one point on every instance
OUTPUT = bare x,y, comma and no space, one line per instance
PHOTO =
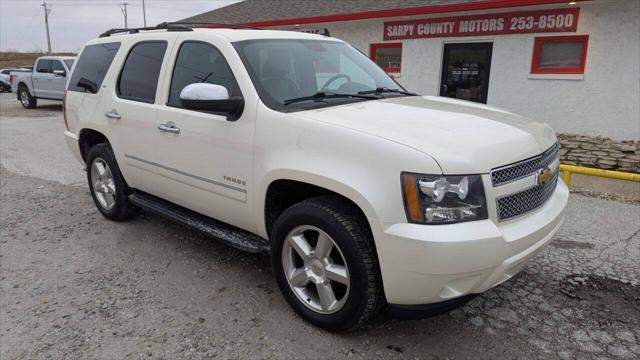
169,127
113,114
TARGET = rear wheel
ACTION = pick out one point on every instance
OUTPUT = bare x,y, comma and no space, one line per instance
324,261
109,190
27,101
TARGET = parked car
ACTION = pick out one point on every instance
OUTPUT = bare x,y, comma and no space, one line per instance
47,80
367,196
5,78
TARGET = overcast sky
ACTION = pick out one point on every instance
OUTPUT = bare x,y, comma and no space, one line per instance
73,22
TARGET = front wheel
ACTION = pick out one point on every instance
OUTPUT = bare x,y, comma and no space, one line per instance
27,101
324,261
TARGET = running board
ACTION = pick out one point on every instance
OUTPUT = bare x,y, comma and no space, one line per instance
228,234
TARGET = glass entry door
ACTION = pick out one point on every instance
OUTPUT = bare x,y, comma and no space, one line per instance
465,71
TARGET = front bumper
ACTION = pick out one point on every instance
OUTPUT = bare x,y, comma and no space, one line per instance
424,264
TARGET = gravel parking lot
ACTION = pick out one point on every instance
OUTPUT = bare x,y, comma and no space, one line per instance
75,285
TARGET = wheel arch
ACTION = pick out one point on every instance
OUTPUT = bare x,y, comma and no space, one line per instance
87,138
280,192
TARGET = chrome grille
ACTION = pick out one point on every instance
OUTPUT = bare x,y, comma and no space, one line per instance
521,203
519,170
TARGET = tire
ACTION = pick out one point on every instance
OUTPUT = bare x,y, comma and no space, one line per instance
359,296
27,101
109,190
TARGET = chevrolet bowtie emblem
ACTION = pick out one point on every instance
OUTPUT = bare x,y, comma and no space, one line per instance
544,176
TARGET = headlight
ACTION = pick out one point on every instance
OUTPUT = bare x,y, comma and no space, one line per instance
438,199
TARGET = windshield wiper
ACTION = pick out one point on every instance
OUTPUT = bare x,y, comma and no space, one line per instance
320,95
382,90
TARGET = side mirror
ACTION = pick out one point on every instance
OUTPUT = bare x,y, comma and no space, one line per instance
61,73
213,98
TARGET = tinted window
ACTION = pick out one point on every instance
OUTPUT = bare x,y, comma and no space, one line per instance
139,77
92,67
43,66
57,65
6,72
69,63
199,62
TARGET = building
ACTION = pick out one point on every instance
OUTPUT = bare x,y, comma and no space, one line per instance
573,64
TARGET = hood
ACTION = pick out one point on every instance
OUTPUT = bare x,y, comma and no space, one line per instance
463,137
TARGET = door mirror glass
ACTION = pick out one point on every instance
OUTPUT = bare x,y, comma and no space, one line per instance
61,73
213,98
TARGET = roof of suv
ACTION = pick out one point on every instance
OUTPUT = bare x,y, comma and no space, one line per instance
232,35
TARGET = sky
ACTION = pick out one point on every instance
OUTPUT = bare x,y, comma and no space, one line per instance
74,22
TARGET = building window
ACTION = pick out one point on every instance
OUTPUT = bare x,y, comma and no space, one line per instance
559,54
388,56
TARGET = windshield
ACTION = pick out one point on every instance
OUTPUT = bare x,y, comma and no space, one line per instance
290,69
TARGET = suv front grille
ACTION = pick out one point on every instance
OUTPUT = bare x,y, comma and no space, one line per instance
524,168
525,201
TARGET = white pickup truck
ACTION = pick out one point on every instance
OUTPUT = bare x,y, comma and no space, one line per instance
365,195
47,80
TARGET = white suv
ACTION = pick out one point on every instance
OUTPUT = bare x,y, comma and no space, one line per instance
366,196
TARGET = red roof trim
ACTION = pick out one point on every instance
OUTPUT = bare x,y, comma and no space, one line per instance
481,5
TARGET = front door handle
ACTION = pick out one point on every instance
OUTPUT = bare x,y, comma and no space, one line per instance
113,114
169,127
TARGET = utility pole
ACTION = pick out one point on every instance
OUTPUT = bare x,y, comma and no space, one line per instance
46,24
144,14
124,12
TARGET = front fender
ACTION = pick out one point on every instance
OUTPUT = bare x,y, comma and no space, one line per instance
361,167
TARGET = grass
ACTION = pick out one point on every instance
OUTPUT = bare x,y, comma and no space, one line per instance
14,59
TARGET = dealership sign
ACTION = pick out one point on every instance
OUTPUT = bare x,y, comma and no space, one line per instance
538,21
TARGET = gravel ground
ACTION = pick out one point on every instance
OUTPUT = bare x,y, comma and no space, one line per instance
75,285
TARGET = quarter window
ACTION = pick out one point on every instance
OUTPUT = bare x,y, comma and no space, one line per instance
200,63
559,55
139,77
92,67
43,66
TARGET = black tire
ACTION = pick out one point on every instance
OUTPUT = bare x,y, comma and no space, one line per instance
122,209
27,101
351,233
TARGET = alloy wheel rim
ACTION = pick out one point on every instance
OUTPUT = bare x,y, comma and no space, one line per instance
103,184
24,98
316,269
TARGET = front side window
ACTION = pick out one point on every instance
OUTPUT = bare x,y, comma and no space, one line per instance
282,70
139,77
92,67
57,65
198,62
44,66
69,63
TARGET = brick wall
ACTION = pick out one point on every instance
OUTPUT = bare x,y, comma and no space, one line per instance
600,152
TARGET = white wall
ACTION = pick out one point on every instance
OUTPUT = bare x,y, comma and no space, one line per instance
605,102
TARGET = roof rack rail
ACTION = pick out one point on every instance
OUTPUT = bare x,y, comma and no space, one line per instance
222,25
161,26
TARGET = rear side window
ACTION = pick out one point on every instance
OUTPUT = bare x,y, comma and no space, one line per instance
92,67
43,66
139,77
198,63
